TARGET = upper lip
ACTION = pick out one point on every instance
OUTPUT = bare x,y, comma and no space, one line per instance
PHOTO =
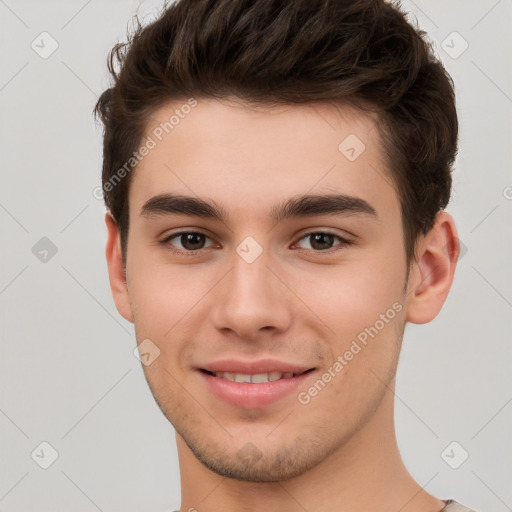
254,367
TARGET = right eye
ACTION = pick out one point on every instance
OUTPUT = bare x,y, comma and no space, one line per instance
190,241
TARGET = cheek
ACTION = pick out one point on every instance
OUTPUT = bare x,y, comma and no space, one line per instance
364,310
349,298
168,308
162,294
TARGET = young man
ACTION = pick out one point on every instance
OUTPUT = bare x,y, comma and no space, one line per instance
275,174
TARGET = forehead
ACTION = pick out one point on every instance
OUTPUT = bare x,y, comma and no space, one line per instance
252,156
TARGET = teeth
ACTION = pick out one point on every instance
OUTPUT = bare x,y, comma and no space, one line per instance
260,377
255,378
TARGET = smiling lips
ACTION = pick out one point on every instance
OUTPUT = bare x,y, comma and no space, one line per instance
255,378
253,385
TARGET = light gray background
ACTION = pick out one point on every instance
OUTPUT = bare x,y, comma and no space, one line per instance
68,373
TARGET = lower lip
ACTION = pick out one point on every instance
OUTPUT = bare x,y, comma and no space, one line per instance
252,396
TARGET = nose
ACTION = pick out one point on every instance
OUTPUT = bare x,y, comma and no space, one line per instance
252,299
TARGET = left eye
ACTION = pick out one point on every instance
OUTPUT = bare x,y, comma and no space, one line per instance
323,241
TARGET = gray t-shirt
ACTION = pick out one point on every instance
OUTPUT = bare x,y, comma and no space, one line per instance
451,506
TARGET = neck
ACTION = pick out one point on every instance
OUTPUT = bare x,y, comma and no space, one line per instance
365,473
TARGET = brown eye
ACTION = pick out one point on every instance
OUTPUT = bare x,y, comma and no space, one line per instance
189,241
192,241
321,241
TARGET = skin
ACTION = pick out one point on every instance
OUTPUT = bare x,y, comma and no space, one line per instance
294,303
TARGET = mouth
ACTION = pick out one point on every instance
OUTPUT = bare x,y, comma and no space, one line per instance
256,378
253,388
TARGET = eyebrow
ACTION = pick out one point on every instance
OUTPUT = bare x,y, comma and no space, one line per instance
300,206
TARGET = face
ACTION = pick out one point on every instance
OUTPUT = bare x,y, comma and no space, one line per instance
302,296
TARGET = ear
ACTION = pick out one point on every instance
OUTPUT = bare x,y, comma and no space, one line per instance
116,271
431,273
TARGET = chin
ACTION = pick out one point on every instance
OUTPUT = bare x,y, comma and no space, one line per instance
249,463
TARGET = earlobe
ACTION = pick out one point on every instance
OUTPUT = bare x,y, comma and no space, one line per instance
432,272
116,270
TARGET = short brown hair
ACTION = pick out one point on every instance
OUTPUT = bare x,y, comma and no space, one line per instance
362,52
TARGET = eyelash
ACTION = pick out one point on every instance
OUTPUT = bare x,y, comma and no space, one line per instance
344,242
